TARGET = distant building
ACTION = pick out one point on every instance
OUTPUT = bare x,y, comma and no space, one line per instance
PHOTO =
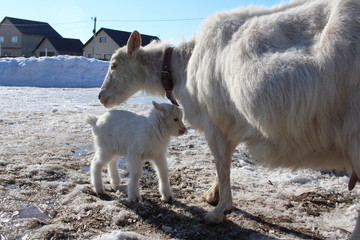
20,37
109,40
58,46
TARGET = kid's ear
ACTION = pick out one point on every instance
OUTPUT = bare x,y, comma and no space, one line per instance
134,43
159,107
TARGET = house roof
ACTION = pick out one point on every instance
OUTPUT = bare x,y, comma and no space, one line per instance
67,44
121,37
64,45
33,27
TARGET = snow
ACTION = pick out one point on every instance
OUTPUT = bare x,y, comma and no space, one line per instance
62,85
59,72
61,75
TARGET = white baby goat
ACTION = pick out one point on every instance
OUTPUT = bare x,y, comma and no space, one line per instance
122,133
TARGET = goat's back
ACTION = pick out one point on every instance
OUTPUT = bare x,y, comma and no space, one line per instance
285,79
123,132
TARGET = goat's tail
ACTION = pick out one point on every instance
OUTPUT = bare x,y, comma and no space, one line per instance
91,119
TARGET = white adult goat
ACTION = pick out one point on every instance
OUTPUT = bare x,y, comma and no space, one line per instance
122,133
285,81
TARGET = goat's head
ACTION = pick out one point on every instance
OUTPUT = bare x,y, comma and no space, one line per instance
124,75
173,118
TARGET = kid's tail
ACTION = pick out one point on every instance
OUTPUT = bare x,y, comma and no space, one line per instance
90,119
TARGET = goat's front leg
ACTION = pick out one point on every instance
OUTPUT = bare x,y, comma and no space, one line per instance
135,171
221,189
163,175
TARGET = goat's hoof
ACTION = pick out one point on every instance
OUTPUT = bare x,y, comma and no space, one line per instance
213,218
211,197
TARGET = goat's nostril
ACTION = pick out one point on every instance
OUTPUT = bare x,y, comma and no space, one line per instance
182,131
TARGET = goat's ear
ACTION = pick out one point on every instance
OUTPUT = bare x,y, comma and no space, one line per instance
133,43
159,107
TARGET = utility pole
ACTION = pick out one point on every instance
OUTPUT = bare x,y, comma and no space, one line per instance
94,32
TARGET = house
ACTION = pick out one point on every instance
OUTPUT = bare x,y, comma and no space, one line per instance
20,37
109,40
51,46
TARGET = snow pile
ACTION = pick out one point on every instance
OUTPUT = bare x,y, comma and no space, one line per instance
61,71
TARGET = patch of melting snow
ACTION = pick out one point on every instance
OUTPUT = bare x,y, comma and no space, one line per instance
31,211
122,164
84,151
62,180
85,168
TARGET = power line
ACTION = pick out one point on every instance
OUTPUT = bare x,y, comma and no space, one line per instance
41,24
105,20
154,20
64,23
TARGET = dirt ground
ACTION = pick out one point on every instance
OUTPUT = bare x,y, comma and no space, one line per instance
45,190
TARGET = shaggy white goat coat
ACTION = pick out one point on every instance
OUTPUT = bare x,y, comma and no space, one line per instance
285,81
122,133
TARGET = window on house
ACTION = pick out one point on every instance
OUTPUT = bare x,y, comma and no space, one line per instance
107,56
7,54
14,39
47,54
97,56
103,40
1,39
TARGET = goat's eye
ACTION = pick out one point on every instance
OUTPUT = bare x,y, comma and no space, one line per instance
176,119
113,66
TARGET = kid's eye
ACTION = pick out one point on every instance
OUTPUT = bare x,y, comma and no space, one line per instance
176,119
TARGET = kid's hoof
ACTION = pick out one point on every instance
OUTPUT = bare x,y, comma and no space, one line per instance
99,192
115,187
135,199
169,199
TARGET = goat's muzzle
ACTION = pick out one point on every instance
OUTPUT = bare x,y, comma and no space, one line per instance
182,131
103,98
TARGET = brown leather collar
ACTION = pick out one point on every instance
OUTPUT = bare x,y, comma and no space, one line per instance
166,77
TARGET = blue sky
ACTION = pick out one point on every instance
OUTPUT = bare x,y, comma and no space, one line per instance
72,18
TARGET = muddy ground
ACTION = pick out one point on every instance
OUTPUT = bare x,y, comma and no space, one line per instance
45,190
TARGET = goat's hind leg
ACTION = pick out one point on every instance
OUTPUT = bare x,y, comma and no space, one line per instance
212,195
114,174
99,161
354,153
356,232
